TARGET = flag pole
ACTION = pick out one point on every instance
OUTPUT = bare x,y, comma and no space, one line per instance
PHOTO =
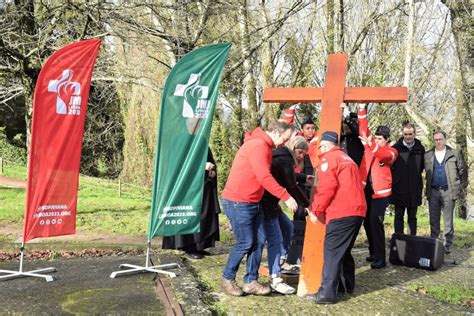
10,274
134,269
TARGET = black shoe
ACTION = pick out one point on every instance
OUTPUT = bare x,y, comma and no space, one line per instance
447,251
341,289
318,298
378,264
194,255
204,253
370,258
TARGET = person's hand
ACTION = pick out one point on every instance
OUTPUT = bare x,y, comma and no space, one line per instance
313,218
345,110
291,203
309,179
365,140
209,166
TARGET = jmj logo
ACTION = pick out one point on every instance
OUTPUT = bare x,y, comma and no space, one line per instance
195,104
68,94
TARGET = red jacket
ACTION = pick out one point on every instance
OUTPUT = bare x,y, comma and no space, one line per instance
339,192
376,160
250,174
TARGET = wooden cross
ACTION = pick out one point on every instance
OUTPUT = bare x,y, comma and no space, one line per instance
332,96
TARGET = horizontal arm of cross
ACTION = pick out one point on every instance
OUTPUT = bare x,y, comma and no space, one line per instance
357,94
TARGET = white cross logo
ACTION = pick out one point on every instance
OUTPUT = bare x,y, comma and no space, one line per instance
192,91
62,88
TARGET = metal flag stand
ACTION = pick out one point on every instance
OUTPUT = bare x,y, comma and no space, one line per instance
10,274
140,269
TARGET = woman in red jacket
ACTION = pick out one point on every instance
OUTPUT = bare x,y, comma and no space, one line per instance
375,171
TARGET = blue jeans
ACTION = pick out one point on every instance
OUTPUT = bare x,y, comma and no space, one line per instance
277,233
246,219
287,229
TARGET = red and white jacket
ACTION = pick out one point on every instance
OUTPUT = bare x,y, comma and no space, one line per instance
339,192
376,160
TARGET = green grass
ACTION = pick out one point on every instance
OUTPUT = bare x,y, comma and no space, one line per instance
99,209
12,205
457,294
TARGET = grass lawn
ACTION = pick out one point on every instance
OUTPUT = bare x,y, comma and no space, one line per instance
100,208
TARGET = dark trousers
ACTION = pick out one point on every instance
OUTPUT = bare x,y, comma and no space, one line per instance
398,221
373,225
339,264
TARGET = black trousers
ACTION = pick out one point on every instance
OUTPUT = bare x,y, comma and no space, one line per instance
398,221
340,236
373,225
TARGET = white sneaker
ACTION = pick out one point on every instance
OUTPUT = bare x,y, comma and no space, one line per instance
281,287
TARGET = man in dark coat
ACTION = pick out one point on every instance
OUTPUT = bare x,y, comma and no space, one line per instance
194,244
407,186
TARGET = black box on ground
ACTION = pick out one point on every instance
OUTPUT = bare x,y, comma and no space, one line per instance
415,251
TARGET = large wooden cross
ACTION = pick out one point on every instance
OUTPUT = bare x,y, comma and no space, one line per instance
332,96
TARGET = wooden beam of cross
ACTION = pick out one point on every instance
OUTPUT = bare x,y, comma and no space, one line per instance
332,95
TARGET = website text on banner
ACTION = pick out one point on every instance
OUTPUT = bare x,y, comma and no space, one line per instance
59,111
187,107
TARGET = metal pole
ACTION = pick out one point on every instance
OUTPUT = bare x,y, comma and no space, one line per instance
148,244
22,252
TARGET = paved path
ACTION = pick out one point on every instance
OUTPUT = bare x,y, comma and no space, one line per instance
12,183
81,287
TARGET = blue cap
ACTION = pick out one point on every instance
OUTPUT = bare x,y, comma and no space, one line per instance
330,136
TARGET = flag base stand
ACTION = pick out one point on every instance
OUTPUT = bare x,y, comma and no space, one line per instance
22,274
134,269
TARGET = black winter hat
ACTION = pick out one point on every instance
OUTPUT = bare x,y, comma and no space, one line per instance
383,131
330,136
307,120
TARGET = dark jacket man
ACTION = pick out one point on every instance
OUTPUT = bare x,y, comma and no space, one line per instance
407,181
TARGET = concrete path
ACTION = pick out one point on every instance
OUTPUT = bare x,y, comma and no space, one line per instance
12,183
80,287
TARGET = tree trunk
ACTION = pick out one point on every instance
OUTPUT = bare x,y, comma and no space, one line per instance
340,33
330,25
271,109
462,26
461,140
250,81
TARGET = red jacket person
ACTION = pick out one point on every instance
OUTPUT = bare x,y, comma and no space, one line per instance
375,170
249,177
340,200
